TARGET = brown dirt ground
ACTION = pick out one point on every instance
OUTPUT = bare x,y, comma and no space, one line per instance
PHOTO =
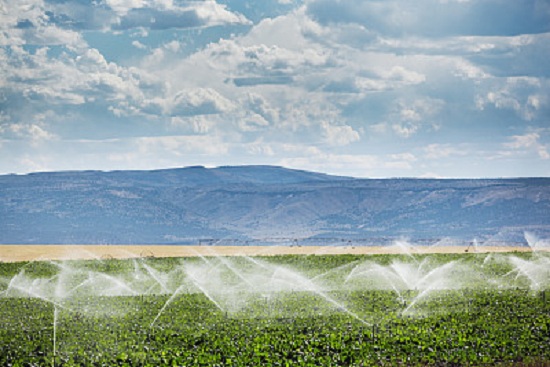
13,253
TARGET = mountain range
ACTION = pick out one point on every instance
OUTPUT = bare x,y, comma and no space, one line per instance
256,204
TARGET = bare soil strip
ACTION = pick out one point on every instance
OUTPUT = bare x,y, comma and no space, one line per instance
13,253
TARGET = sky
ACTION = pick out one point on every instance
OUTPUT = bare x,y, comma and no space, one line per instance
364,88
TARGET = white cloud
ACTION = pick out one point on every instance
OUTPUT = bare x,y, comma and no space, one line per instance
465,69
357,165
523,141
167,15
32,132
526,96
33,163
407,157
434,18
529,142
326,74
289,31
261,106
379,128
406,129
443,151
199,101
251,122
339,135
410,117
181,145
138,45
42,81
122,7
342,164
383,79
40,22
197,124
166,151
408,77
259,148
26,22
213,13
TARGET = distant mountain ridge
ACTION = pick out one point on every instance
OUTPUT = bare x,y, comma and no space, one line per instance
252,203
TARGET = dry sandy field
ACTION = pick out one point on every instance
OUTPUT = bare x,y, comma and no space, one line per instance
13,253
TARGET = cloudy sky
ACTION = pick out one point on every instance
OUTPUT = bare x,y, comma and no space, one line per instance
368,88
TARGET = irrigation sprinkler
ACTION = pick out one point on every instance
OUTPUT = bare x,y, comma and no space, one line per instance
376,297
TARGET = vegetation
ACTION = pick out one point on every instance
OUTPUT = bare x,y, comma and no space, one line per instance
338,324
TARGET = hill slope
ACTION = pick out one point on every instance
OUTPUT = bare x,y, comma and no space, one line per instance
182,205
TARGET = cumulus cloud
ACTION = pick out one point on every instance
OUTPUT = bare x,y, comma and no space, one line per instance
261,106
139,45
409,117
442,151
49,22
526,96
180,145
199,124
168,151
29,22
339,134
200,101
33,132
359,165
529,142
191,15
315,84
362,165
259,147
377,79
434,18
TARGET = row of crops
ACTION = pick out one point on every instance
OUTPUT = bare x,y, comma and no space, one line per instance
304,311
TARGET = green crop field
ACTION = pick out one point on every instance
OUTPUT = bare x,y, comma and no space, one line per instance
336,310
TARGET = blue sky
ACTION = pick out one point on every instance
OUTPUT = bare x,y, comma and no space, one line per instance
367,88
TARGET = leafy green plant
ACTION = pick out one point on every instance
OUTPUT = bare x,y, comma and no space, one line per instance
475,324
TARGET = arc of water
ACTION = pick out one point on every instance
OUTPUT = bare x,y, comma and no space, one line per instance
33,294
118,282
310,286
334,270
230,266
256,262
487,258
237,273
409,280
201,256
176,292
206,261
6,282
432,287
524,268
404,248
30,291
422,295
422,264
80,285
195,281
436,270
153,273
54,334
351,273
535,243
378,270
342,307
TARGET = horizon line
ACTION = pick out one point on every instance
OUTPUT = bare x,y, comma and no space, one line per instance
212,167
